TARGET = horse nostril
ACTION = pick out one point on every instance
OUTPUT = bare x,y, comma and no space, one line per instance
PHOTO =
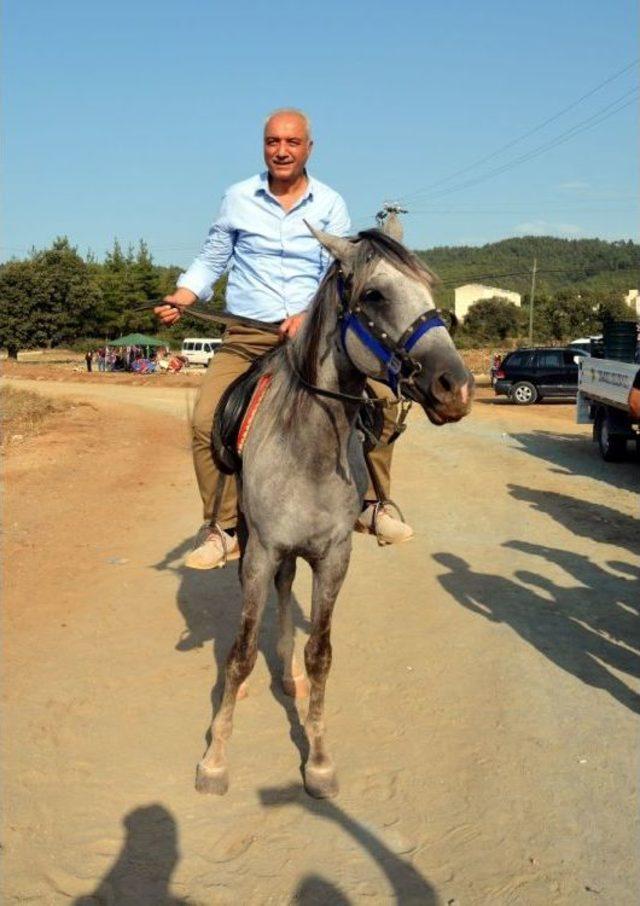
445,382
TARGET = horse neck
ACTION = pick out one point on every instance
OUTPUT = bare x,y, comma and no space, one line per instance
333,369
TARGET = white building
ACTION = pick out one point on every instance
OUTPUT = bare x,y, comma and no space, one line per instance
633,300
470,293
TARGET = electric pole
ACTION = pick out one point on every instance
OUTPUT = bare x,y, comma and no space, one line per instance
531,299
389,207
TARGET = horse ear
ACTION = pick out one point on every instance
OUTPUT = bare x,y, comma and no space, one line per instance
341,249
392,227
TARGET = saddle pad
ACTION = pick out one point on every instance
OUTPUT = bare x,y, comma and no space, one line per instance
252,408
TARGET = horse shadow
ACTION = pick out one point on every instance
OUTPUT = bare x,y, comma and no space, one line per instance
586,630
141,874
409,886
210,602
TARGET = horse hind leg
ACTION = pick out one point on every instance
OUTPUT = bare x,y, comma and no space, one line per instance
257,571
320,778
294,682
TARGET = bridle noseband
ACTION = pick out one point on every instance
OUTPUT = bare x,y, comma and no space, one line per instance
400,366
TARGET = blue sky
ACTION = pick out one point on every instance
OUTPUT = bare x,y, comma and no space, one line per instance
129,119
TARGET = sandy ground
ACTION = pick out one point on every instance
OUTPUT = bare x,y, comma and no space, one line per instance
482,707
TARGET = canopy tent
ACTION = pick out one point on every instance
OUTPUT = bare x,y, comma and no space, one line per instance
136,339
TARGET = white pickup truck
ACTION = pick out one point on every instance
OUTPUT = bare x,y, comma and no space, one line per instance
603,399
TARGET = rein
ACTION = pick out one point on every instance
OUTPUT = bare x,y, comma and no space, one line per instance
224,317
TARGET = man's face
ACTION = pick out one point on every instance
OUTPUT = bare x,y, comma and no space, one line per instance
287,146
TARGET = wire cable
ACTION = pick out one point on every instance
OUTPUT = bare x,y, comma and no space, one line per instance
529,132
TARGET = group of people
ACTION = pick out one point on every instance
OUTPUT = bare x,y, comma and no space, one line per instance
129,358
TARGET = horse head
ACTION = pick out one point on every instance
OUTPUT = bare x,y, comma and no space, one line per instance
391,329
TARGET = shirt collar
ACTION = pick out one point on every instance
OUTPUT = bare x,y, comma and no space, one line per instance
263,186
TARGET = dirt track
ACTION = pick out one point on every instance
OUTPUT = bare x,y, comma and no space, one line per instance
482,707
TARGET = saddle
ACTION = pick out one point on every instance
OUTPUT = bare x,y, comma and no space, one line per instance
239,403
229,430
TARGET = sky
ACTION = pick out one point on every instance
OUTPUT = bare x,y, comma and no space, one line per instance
129,119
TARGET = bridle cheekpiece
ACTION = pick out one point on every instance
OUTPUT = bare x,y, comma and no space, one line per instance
400,367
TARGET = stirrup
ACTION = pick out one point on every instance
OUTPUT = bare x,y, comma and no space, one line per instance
380,505
212,529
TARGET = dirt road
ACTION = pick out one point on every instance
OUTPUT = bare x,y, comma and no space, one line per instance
482,706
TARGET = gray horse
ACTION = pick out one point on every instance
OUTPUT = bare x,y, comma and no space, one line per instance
304,476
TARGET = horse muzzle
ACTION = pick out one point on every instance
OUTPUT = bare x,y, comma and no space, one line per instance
447,398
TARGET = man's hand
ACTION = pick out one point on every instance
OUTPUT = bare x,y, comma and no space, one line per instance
290,326
167,313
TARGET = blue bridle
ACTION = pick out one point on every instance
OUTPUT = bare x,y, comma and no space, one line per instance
399,365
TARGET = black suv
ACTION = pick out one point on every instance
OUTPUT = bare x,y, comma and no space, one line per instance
527,375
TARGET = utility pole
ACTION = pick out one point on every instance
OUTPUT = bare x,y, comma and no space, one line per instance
531,299
389,207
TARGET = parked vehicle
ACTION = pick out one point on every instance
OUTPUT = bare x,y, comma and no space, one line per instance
603,399
199,350
529,375
589,345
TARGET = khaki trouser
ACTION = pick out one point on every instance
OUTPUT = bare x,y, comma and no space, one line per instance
240,347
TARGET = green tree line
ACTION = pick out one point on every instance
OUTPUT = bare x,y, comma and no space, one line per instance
56,297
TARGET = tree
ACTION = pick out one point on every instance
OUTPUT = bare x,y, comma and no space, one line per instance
18,298
492,320
573,313
52,298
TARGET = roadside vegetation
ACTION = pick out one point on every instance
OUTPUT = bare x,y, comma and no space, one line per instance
56,298
25,413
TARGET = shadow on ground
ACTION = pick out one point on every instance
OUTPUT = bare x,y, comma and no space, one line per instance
589,520
141,874
576,455
211,602
587,630
408,885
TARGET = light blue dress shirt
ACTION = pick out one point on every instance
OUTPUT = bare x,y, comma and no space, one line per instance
275,264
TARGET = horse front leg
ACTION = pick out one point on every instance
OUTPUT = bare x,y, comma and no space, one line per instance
294,682
257,571
320,778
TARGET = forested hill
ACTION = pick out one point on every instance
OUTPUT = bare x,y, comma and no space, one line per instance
586,263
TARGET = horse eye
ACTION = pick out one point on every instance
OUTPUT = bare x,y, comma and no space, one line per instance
372,295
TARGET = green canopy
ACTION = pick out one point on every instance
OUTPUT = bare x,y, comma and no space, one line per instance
136,339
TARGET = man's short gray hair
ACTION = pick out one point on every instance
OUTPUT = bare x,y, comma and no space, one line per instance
293,111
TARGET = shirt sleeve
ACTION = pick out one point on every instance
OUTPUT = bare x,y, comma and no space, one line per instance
339,224
214,257
339,220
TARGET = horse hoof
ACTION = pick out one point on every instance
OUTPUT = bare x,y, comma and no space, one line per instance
296,686
243,691
321,783
212,780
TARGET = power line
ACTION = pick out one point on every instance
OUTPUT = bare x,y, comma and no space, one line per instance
470,278
524,210
528,133
595,119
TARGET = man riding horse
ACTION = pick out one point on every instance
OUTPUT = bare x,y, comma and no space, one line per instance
275,267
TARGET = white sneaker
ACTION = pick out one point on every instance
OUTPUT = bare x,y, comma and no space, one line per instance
378,520
217,549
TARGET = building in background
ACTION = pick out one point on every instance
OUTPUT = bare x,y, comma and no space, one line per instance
470,293
633,301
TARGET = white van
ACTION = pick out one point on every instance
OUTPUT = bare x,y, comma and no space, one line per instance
199,350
